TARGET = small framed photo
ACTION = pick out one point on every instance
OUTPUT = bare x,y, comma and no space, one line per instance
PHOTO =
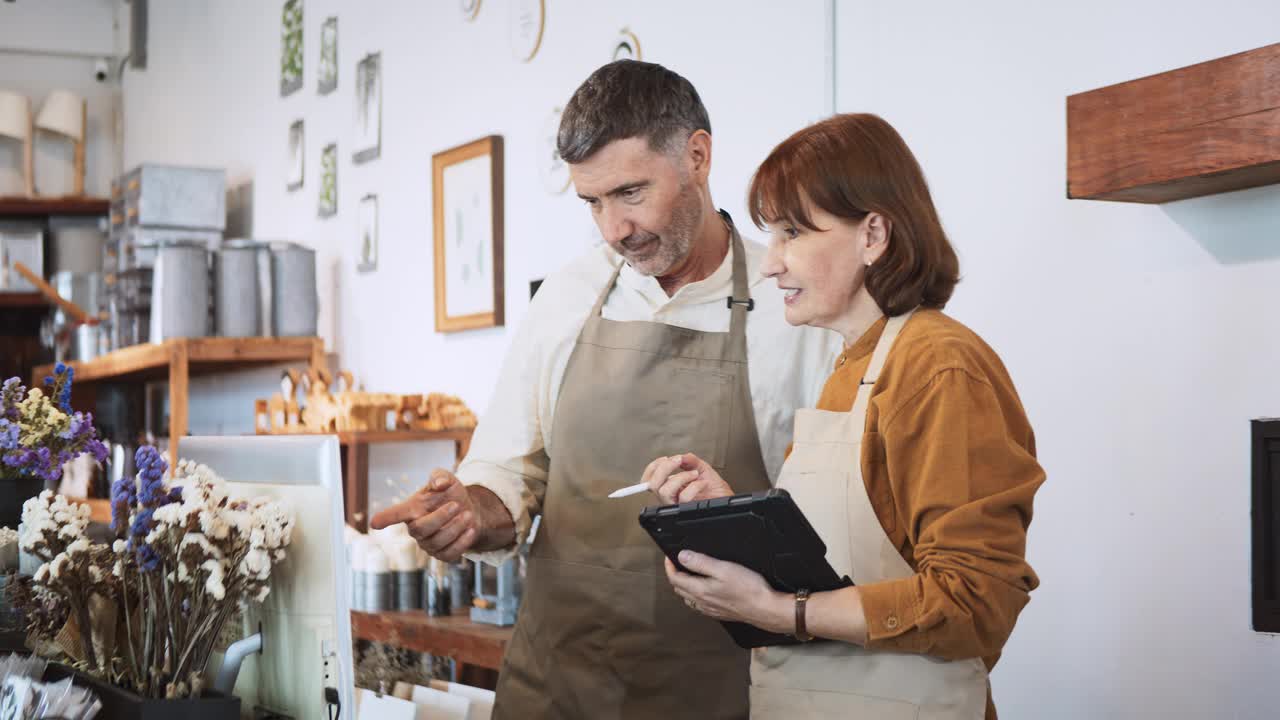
328,56
467,187
297,154
369,108
291,48
329,181
368,234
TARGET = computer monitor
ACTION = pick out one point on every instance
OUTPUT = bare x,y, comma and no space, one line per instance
306,620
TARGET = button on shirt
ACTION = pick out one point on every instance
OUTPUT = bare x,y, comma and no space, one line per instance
510,453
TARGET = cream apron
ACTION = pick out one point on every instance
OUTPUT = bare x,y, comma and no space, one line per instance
601,635
842,680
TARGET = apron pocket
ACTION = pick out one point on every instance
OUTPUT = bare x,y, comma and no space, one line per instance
782,704
702,426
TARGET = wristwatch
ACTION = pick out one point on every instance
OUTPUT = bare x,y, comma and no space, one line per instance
802,598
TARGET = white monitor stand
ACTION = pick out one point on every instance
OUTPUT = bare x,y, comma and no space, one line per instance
306,620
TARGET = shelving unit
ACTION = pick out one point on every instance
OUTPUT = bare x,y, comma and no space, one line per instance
179,360
43,207
355,471
454,636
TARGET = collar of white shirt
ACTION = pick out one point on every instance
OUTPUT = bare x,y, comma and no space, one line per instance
716,286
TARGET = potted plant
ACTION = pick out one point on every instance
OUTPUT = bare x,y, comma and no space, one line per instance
139,618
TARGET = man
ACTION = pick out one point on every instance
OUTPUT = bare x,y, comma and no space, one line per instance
664,342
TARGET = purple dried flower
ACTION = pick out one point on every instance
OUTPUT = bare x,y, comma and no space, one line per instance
143,523
8,434
148,559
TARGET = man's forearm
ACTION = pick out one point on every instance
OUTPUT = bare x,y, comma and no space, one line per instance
497,527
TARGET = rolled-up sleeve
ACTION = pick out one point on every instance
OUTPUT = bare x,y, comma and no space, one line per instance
961,463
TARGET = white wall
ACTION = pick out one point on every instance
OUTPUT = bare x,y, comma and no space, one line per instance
1130,330
210,96
1137,337
51,45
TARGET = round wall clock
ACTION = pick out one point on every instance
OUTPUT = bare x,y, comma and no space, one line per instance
469,9
553,170
527,20
626,46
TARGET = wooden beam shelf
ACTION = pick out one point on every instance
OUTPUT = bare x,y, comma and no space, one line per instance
1204,129
43,207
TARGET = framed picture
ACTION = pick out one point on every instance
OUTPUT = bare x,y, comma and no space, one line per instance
291,48
328,56
466,187
369,108
368,233
297,154
329,181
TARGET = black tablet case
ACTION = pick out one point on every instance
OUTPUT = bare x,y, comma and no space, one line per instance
764,531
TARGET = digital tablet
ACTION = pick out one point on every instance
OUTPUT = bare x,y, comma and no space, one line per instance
764,531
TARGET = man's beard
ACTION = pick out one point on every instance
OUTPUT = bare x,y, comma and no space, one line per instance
659,254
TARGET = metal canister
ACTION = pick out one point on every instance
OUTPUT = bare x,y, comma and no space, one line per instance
237,295
358,584
438,597
460,575
180,291
408,589
377,591
294,300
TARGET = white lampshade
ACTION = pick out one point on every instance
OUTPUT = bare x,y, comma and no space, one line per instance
15,115
62,113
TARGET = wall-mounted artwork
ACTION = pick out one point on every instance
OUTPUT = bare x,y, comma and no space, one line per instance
468,223
369,108
368,234
328,56
553,171
291,48
469,9
329,181
297,154
626,46
525,25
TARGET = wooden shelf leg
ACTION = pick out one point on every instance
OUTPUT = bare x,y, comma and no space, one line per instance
355,486
179,381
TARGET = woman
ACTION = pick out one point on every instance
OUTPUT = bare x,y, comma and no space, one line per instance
917,468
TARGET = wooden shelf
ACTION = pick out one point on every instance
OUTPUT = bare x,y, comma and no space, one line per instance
151,361
355,470
42,207
1199,130
453,636
399,436
180,359
33,300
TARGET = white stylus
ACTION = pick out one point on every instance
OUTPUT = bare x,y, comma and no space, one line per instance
630,490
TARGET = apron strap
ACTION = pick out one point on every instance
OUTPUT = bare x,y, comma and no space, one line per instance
739,303
878,357
608,288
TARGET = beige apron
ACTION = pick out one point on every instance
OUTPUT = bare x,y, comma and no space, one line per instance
842,680
601,635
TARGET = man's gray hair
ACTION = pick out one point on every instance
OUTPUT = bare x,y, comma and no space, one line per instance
627,99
